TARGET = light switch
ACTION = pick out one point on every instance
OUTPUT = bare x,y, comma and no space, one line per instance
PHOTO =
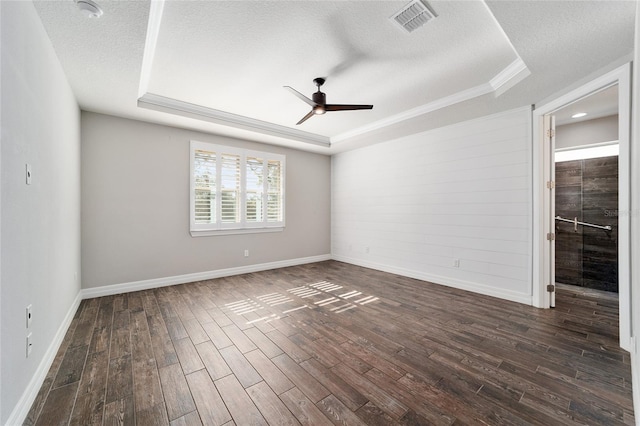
28,174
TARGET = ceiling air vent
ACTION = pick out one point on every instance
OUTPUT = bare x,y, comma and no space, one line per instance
413,15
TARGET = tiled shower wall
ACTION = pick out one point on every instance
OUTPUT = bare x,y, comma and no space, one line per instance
588,190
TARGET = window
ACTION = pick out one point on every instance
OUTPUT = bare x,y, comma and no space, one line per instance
235,190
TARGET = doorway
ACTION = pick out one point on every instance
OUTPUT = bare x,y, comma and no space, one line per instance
586,158
545,223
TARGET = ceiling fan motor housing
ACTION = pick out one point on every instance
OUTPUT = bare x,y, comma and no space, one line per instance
319,97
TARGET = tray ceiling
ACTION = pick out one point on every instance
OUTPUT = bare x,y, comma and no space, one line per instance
220,66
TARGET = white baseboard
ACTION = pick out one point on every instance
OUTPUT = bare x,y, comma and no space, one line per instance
21,410
513,296
108,290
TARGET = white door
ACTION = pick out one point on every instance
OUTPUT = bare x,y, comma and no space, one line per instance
549,148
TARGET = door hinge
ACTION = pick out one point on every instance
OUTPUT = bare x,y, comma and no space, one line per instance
551,236
551,184
551,288
551,133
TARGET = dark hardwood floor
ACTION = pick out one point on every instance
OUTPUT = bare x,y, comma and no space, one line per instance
332,343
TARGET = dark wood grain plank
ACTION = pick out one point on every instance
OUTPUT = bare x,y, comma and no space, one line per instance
217,336
269,372
120,335
188,356
338,387
190,419
72,365
119,412
304,381
271,407
163,349
195,331
177,396
337,412
209,403
120,379
265,344
242,369
212,360
155,415
242,409
303,409
91,393
283,342
396,409
57,407
239,339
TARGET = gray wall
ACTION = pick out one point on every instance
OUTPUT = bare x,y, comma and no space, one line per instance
587,132
40,223
135,206
635,217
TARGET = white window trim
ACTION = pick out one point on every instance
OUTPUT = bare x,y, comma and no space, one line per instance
242,227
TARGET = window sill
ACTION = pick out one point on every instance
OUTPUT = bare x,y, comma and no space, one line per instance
213,233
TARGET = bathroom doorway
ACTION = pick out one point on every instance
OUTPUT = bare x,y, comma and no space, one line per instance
586,193
544,189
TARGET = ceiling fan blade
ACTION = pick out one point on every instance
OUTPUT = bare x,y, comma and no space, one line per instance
306,117
300,95
345,107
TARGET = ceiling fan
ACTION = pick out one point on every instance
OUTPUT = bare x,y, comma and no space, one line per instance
319,104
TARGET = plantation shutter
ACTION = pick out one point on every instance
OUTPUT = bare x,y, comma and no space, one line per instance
254,189
230,188
234,190
205,186
274,191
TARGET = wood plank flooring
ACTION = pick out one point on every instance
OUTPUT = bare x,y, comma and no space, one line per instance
332,343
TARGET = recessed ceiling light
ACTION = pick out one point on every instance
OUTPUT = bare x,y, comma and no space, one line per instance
89,8
579,114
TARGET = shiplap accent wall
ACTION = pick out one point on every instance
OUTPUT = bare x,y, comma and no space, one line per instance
414,205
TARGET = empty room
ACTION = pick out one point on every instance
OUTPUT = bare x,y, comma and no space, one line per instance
316,212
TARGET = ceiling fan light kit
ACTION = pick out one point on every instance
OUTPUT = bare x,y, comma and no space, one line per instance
318,102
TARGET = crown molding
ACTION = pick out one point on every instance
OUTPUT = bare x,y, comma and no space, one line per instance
462,96
513,74
503,81
153,30
199,112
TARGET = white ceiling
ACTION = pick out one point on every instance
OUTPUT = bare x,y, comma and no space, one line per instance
219,66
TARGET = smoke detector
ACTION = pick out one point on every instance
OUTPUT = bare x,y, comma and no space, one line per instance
413,15
89,8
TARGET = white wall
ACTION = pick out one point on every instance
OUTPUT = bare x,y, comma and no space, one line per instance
40,223
635,218
604,129
413,205
135,206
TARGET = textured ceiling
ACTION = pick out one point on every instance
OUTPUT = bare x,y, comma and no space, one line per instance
219,66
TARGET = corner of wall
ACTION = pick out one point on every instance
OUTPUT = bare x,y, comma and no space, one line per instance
21,410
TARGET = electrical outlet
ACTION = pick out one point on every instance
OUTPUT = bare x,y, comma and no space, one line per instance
28,173
366,249
246,253
29,316
456,263
29,345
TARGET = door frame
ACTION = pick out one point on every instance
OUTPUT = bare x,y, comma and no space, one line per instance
542,222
